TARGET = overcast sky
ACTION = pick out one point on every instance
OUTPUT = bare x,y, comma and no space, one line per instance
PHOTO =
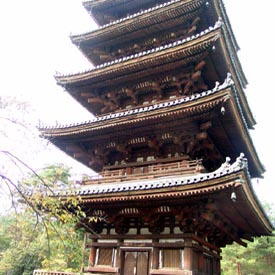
35,44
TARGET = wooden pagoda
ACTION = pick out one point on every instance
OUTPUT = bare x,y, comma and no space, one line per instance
167,92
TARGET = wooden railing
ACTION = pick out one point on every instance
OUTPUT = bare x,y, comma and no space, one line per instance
139,171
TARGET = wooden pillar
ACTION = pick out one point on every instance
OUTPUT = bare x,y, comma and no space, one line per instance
201,261
119,260
188,254
216,263
218,266
155,261
92,254
128,170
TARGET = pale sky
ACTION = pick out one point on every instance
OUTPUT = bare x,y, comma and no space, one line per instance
35,44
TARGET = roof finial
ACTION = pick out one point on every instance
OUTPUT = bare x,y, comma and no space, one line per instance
229,79
227,82
219,23
216,88
240,162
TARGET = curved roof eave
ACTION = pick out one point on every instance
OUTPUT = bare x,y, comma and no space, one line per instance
230,177
186,181
210,34
96,7
244,130
129,115
128,23
240,78
173,7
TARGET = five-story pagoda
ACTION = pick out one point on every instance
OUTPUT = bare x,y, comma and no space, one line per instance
167,92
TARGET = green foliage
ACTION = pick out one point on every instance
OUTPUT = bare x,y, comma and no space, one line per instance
34,246
25,249
258,258
51,177
5,240
43,200
42,234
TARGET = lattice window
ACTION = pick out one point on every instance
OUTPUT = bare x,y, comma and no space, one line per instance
171,258
105,256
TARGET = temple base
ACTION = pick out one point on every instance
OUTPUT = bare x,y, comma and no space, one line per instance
183,254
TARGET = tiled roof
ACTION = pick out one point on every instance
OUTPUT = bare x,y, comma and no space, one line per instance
97,11
157,183
217,25
167,4
80,37
153,9
227,83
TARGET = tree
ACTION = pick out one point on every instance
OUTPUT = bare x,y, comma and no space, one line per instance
42,234
20,144
257,259
31,246
23,253
39,230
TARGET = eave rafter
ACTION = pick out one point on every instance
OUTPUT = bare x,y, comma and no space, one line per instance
140,92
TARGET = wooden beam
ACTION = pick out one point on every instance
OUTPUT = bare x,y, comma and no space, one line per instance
201,136
221,225
205,126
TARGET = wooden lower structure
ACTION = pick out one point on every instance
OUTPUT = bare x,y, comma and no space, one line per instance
140,254
168,225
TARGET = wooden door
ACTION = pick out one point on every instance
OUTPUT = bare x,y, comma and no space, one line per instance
135,263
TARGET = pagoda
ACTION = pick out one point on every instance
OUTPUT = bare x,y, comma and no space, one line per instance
169,139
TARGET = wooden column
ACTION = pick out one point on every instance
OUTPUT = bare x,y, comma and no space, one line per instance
118,255
217,266
188,254
129,170
155,261
200,261
92,254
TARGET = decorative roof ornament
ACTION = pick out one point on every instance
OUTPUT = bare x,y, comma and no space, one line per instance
225,166
217,86
240,163
219,23
227,82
